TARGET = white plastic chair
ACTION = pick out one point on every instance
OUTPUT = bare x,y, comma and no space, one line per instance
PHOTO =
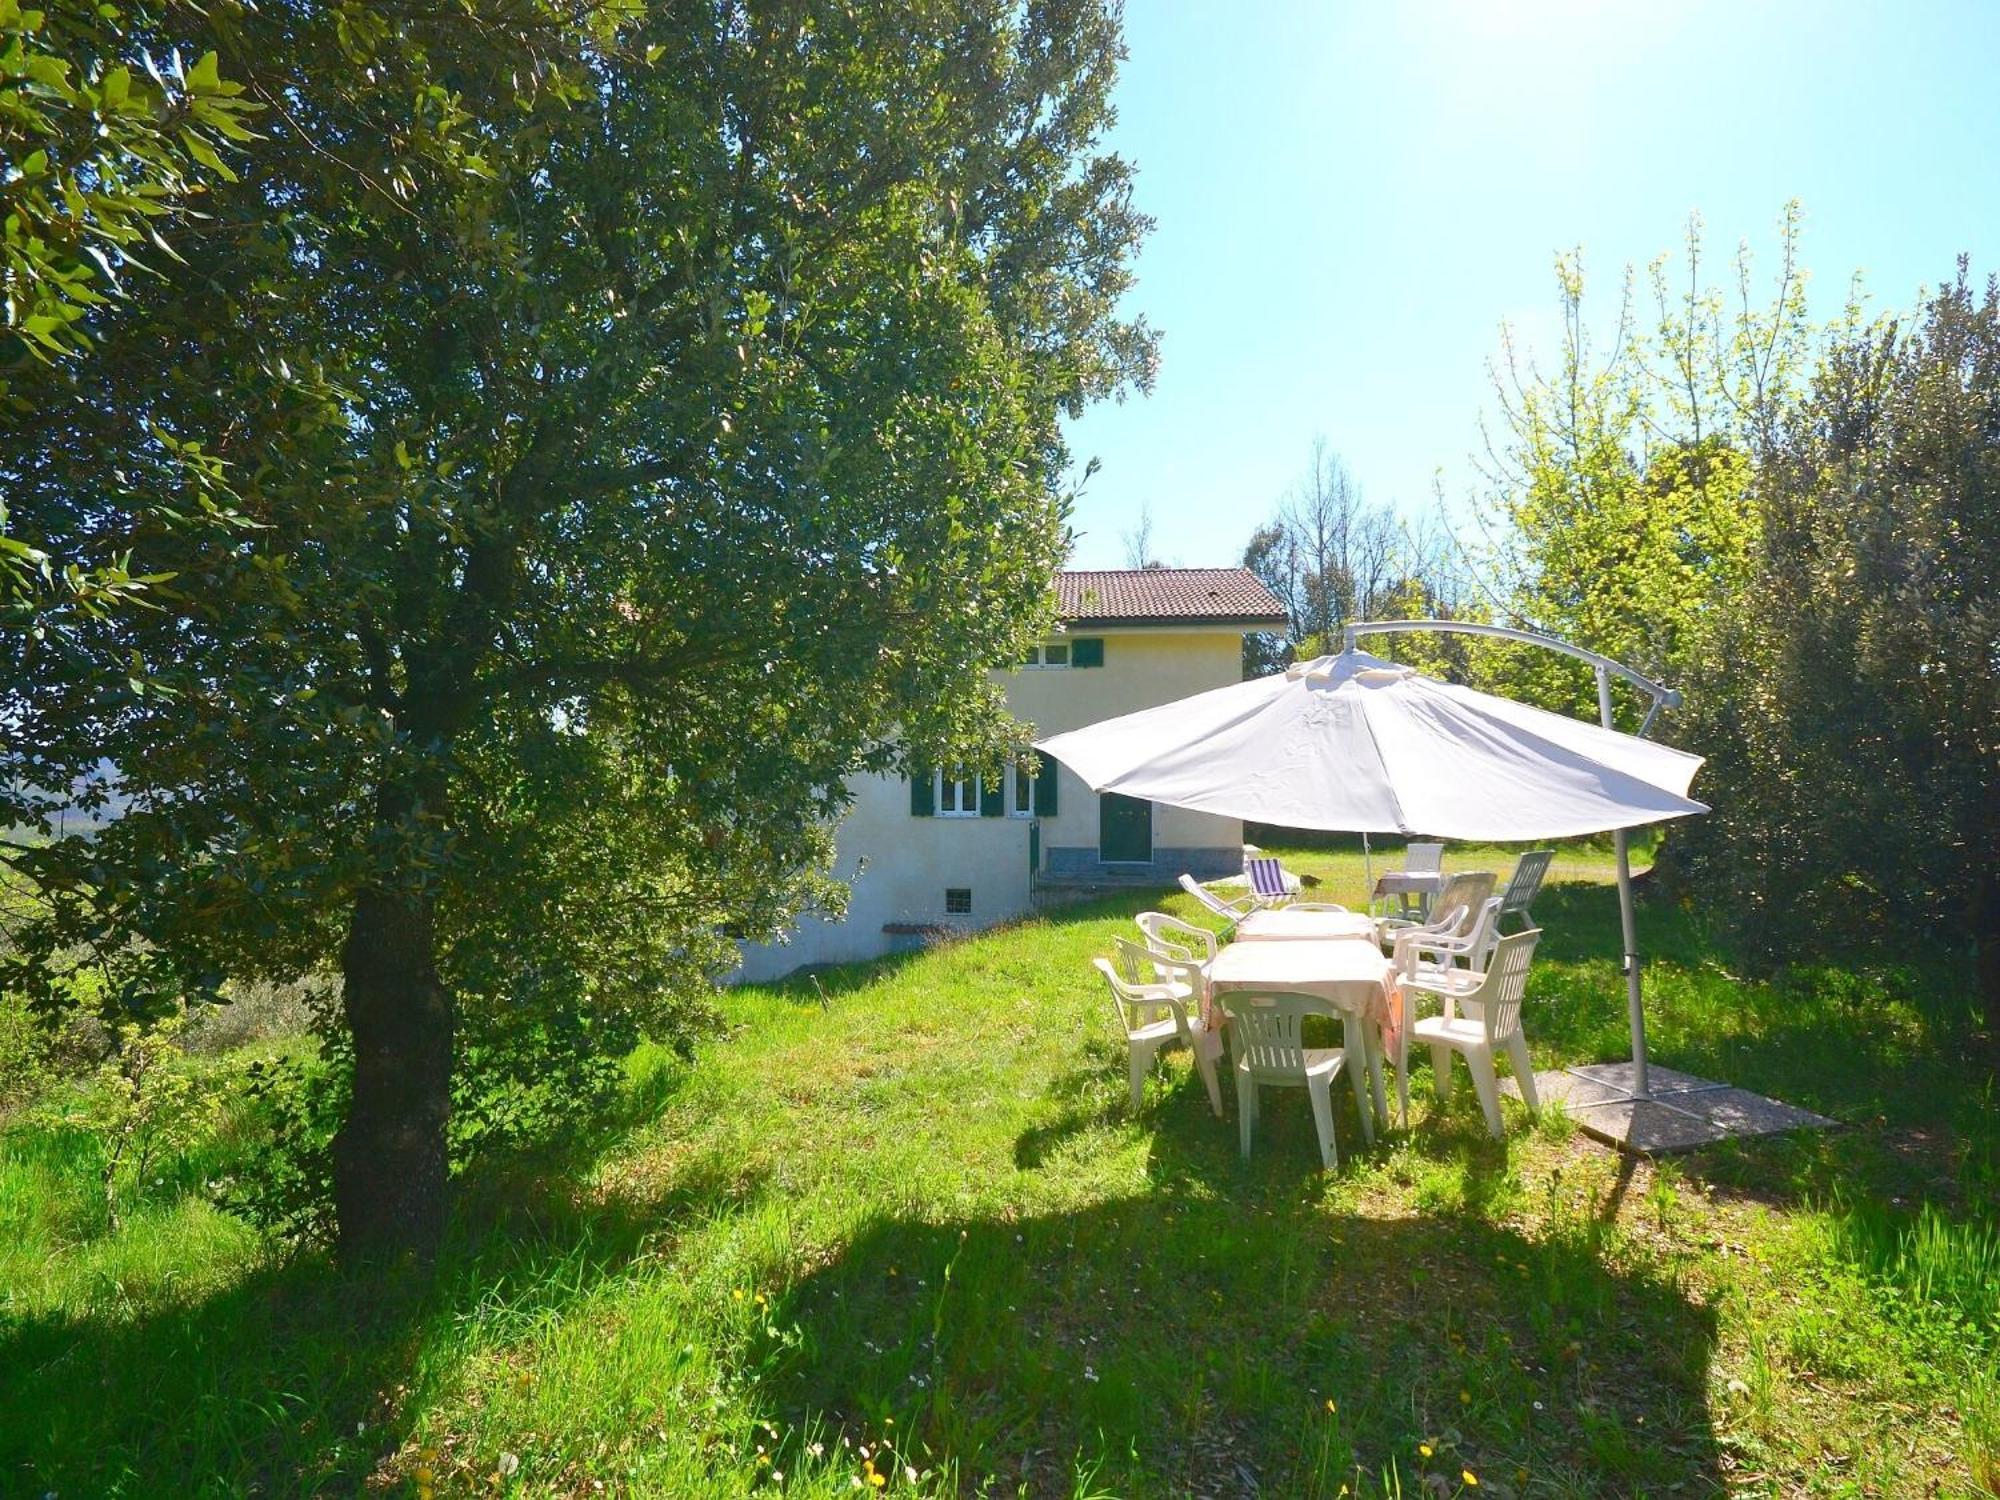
1452,958
1530,870
1268,1052
1422,858
1498,998
1231,912
1175,938
1154,1013
1184,944
1453,911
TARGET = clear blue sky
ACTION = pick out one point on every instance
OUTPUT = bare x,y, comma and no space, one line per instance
1351,197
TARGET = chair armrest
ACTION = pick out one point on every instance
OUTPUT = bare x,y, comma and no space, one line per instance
1439,947
1182,972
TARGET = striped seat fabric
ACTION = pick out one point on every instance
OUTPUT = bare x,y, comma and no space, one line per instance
1267,879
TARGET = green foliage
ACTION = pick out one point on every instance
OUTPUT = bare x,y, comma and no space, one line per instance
640,423
1852,706
108,137
1624,474
1798,527
22,1048
286,1190
530,1078
144,1105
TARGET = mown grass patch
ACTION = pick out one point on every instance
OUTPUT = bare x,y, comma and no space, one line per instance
901,1223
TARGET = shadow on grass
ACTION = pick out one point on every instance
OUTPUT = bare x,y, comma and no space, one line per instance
827,982
298,1379
1192,1342
1188,1341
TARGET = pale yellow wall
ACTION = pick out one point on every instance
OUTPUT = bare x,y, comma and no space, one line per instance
900,865
1142,669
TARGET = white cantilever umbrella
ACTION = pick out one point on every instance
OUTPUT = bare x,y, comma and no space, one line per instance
1355,744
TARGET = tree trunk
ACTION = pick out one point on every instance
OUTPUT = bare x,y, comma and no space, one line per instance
389,1158
1986,919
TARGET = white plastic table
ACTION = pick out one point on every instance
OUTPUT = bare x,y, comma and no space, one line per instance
1402,884
1352,979
1288,924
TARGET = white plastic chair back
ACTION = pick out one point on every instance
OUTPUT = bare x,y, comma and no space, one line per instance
1423,858
1506,984
1465,892
1142,968
1138,965
1526,883
1484,935
1268,1030
1176,939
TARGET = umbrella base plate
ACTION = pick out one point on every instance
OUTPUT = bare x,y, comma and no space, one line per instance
1684,1114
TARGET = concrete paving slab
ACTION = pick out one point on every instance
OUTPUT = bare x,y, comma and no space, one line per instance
1686,1112
1741,1112
1620,1075
1648,1126
1574,1090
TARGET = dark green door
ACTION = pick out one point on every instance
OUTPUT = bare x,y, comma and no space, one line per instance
1124,830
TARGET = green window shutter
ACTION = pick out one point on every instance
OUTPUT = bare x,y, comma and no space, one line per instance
1045,790
992,798
1087,652
923,793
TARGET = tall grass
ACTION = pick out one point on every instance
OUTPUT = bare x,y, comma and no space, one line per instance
1934,1263
904,1221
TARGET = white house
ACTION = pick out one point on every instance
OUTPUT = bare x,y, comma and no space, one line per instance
928,854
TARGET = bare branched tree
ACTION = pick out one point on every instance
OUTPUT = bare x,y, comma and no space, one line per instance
1139,540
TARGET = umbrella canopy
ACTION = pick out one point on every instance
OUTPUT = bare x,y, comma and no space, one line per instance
1355,744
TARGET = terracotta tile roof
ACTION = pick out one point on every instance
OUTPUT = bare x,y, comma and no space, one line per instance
1167,596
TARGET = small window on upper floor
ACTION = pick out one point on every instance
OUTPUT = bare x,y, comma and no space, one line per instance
1048,654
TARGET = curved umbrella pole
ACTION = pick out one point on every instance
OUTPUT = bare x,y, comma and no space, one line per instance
1606,669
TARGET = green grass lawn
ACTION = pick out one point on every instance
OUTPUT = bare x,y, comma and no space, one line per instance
902,1224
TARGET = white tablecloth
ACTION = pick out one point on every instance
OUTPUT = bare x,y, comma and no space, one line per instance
1349,976
1287,925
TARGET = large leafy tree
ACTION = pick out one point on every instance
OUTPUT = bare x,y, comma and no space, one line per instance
1852,708
645,420
108,136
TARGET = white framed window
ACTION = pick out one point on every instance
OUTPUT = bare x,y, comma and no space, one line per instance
1050,654
957,793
